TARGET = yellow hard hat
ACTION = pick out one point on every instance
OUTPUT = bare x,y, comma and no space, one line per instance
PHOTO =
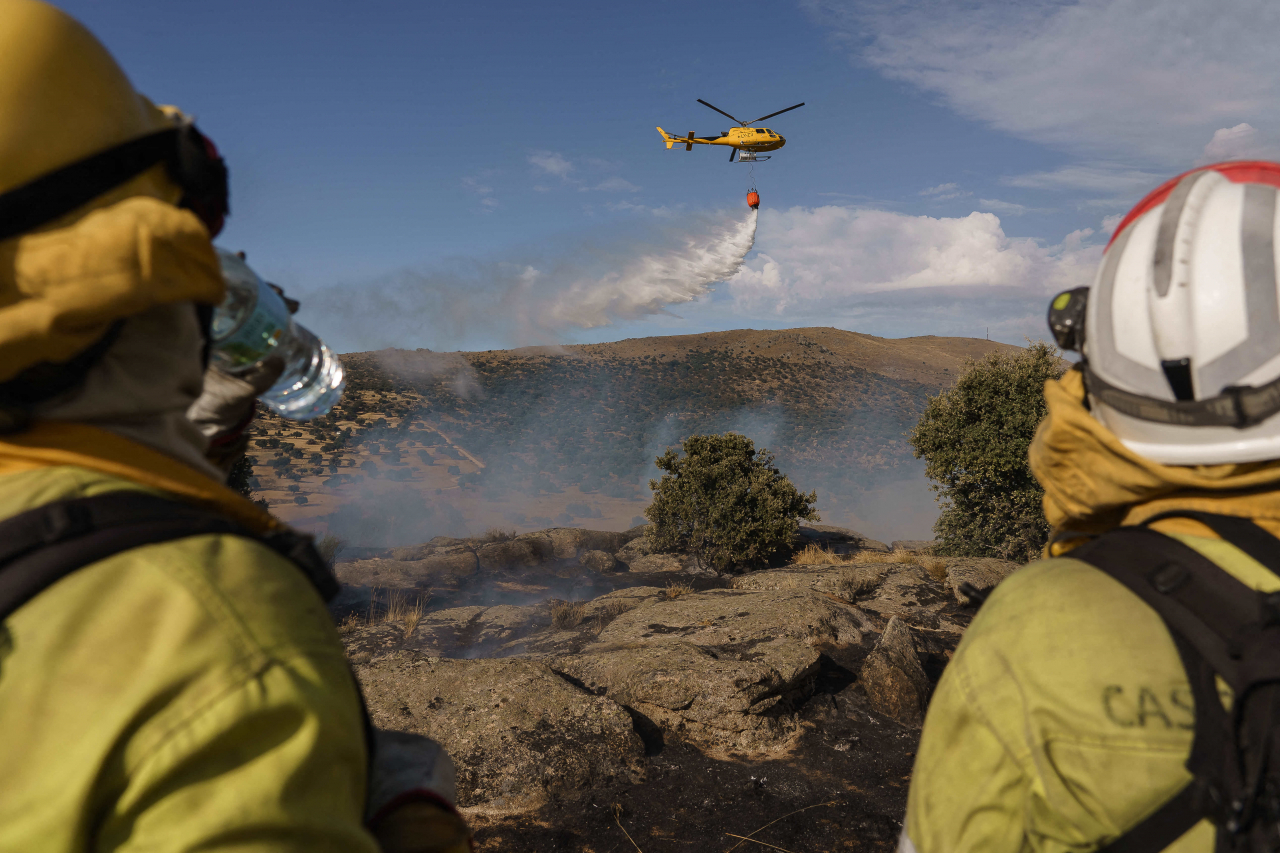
93,182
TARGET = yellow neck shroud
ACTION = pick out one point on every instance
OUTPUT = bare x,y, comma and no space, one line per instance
1093,483
51,443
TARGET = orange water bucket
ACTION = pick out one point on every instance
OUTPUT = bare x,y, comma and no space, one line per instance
753,200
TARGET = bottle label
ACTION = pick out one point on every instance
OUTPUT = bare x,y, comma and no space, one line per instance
252,342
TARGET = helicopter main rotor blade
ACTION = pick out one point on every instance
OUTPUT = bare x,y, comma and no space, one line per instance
722,112
778,113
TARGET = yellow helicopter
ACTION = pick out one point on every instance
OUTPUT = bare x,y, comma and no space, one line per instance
744,140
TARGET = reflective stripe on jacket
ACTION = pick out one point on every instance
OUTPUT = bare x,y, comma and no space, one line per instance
1063,719
180,696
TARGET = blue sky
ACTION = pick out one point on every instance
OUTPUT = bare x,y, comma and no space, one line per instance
403,167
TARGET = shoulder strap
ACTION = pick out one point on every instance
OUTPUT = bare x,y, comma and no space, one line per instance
41,546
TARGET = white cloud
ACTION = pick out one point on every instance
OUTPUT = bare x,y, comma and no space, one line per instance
1100,78
1109,223
1008,208
551,163
832,258
945,192
1093,177
614,184
477,184
1242,142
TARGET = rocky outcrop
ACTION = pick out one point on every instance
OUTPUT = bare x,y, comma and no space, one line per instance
725,671
519,735
895,683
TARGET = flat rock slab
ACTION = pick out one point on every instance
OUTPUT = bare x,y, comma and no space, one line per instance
519,734
442,572
722,667
917,545
724,617
982,572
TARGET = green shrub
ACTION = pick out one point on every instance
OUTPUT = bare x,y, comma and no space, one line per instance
723,502
974,441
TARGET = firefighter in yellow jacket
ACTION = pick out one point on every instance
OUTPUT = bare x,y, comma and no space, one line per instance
191,694
1065,718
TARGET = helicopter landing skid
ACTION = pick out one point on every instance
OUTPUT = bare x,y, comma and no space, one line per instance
750,157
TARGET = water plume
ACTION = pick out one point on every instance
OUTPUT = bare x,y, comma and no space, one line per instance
473,303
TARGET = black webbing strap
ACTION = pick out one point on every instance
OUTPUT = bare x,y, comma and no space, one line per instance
41,546
57,193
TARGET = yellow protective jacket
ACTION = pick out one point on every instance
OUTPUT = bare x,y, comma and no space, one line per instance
191,695
1065,716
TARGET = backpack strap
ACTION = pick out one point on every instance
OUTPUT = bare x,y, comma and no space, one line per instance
43,545
1220,627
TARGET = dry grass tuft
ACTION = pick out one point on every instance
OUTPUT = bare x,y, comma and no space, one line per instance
860,581
814,554
675,590
568,614
872,557
612,610
497,534
401,609
904,556
936,567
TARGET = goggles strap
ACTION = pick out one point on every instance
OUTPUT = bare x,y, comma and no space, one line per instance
191,161
1237,406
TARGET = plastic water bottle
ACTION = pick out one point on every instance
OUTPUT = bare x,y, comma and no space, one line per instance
253,324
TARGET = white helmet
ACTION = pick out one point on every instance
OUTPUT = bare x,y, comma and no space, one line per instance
1180,332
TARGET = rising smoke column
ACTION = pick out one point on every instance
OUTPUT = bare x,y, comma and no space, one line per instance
518,301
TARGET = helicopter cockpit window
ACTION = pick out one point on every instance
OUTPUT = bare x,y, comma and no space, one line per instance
759,130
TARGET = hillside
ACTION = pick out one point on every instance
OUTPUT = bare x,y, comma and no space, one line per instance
427,443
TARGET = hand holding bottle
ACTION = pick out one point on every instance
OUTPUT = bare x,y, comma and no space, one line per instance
253,327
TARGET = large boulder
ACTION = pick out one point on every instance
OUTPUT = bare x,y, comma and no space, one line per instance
638,547
893,678
599,561
509,555
519,735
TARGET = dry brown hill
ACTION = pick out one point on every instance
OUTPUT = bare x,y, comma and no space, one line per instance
929,360
427,442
